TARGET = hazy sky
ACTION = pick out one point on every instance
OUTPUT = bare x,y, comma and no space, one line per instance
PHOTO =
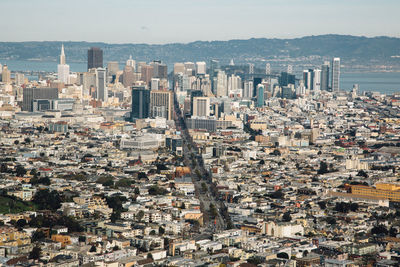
166,21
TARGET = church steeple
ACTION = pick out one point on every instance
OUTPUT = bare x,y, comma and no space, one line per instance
62,55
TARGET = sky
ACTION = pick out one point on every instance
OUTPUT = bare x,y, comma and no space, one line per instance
182,21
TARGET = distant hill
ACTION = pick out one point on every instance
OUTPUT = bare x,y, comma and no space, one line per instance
352,49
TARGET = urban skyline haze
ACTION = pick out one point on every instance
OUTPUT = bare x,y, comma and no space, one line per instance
158,21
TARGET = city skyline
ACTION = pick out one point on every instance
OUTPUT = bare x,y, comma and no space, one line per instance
160,22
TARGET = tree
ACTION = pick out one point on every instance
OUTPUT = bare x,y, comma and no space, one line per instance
204,187
278,194
47,200
150,256
323,167
286,217
105,180
35,253
276,152
16,142
213,211
331,220
140,215
3,168
362,173
393,232
155,190
379,230
21,223
20,171
116,215
123,183
33,172
93,249
282,255
38,235
137,191
161,230
322,205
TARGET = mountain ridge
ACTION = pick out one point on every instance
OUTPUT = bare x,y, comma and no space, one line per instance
353,49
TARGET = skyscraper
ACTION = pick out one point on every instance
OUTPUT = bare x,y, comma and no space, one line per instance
317,80
131,62
221,84
336,74
102,91
95,58
147,73
248,90
285,79
325,76
308,78
260,95
140,102
62,68
5,74
201,67
161,104
201,106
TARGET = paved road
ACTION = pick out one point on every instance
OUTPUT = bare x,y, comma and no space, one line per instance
206,198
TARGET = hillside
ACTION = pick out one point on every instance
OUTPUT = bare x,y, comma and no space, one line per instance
352,49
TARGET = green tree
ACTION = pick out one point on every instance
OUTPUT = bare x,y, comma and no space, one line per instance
161,230
35,253
323,167
282,255
140,215
286,217
47,200
20,171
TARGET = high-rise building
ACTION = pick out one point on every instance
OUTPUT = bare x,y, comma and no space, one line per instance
336,74
248,89
260,95
325,76
147,73
19,78
155,84
221,84
159,70
112,68
179,68
317,80
63,68
214,66
161,104
95,58
201,106
101,88
130,62
268,68
308,78
31,94
285,79
256,82
6,75
140,102
128,76
234,82
201,68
